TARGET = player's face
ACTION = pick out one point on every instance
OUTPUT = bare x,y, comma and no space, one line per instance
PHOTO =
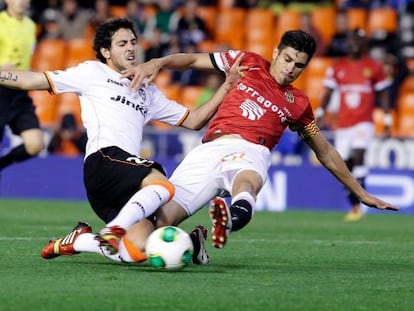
287,65
123,52
18,8
356,45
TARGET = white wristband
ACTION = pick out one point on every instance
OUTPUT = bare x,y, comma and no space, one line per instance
319,112
387,119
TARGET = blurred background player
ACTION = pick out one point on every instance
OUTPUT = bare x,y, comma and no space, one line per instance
72,21
338,44
69,139
17,41
359,80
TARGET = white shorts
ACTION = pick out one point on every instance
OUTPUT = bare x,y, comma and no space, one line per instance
213,166
358,136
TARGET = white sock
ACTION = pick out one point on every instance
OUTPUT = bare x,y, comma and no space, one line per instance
360,171
142,204
86,243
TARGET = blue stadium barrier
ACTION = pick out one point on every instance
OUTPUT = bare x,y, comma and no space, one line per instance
296,181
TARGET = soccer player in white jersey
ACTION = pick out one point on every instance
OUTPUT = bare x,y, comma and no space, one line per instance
121,187
235,154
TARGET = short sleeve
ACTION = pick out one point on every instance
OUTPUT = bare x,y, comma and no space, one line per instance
163,109
224,60
75,79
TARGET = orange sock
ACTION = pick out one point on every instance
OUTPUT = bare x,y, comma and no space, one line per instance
130,253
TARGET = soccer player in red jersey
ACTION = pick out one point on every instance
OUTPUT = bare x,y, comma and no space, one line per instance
236,149
359,80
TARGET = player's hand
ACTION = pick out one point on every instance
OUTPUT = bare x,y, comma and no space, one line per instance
236,71
387,131
142,74
378,203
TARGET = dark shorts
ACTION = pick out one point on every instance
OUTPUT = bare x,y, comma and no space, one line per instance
17,111
111,177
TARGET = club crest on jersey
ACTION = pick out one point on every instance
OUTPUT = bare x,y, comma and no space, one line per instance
367,72
289,97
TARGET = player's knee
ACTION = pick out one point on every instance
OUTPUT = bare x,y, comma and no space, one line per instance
241,214
34,147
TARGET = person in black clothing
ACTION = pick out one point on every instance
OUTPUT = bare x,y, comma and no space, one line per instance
70,139
191,29
338,46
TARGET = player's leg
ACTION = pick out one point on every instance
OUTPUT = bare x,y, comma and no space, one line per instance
246,186
23,122
132,244
171,214
244,171
156,190
359,171
362,135
123,189
31,147
112,183
80,239
343,143
226,219
194,186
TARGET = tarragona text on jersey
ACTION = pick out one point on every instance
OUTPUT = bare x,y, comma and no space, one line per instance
112,113
17,41
258,109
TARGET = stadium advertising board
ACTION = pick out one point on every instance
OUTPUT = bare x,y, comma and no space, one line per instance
295,180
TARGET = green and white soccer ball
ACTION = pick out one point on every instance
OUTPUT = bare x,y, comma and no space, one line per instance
169,248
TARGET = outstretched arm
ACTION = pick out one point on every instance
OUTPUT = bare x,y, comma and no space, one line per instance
198,117
331,160
24,80
145,73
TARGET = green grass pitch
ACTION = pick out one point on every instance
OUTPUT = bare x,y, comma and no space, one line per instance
296,260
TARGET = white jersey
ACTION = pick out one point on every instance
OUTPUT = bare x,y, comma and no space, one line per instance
112,113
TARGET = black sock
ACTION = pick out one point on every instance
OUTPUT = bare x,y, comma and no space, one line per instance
351,197
241,213
17,154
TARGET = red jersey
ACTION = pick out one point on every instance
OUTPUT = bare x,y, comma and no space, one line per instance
357,81
258,109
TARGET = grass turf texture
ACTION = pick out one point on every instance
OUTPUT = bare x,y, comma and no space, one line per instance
296,260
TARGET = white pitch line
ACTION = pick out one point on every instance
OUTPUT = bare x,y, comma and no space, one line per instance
11,238
237,240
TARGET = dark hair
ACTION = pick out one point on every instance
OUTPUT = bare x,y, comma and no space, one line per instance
299,40
105,32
